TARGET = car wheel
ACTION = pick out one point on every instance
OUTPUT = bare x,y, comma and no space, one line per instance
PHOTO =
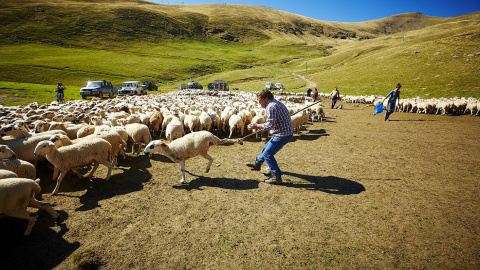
84,97
111,94
100,95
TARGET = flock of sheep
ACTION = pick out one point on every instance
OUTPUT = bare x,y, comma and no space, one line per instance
66,137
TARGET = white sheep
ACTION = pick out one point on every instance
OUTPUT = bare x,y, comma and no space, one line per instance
235,122
69,157
205,121
7,174
138,134
258,119
24,147
16,194
188,146
190,123
174,129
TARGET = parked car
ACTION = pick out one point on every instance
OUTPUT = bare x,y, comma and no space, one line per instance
194,85
211,86
269,86
150,86
97,89
131,88
279,86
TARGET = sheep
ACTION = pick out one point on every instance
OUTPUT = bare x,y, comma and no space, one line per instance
24,147
155,120
205,122
188,146
85,131
258,119
235,122
9,162
191,123
82,153
7,174
138,134
174,130
16,194
113,138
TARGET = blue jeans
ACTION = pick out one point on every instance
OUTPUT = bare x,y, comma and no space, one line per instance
269,150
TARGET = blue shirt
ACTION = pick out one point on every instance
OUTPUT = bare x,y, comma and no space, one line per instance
278,120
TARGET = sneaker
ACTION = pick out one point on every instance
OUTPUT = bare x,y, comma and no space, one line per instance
276,180
253,165
266,171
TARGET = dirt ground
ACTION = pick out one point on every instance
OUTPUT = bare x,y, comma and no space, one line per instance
359,193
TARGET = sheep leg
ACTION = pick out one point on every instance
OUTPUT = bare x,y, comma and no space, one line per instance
95,167
182,167
59,180
210,161
109,166
43,206
55,174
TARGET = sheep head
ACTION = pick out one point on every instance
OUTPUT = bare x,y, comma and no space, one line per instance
43,148
160,147
6,153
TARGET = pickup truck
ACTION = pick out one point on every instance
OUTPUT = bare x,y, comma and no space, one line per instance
97,89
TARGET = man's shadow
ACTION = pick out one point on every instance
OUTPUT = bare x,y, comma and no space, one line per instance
328,184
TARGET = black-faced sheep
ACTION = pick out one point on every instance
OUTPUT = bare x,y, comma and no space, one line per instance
188,146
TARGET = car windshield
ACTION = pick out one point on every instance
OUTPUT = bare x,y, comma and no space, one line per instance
128,85
94,84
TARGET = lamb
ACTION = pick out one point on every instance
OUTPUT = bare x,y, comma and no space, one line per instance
85,152
190,145
16,194
138,134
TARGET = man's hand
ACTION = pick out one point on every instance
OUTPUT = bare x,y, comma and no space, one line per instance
253,126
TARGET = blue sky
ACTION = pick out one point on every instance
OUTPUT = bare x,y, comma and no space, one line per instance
352,10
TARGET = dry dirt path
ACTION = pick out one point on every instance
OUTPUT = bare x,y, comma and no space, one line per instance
360,193
308,83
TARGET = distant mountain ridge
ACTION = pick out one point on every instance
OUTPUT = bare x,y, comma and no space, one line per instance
90,23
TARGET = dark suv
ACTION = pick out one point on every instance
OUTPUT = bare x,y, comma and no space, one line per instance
97,89
194,85
150,86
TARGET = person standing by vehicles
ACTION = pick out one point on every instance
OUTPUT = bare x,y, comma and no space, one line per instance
60,95
309,92
315,95
280,126
335,95
392,101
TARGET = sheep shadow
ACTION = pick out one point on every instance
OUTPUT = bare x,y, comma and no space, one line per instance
130,180
225,183
327,184
44,248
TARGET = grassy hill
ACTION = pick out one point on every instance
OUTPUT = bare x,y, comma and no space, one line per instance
44,42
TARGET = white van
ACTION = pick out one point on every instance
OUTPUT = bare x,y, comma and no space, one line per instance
131,88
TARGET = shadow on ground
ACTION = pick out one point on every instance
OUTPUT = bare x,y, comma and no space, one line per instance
328,184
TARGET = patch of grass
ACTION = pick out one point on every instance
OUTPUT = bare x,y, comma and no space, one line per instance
86,260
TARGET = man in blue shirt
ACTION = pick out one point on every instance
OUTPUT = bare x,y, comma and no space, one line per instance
279,124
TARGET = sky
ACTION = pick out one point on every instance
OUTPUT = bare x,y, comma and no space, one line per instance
352,10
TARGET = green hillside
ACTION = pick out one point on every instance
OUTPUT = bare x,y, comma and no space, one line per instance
44,42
